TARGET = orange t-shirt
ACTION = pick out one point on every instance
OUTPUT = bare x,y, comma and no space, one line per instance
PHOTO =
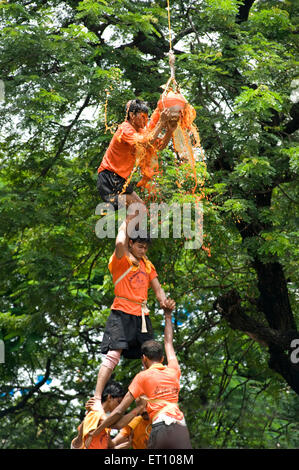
133,286
90,423
120,155
141,430
159,382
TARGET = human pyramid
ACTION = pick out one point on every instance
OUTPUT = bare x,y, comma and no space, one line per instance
156,422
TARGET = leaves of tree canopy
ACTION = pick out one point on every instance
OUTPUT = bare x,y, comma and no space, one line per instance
236,311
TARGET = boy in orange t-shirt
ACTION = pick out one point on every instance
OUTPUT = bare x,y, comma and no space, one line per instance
112,396
159,386
119,159
129,324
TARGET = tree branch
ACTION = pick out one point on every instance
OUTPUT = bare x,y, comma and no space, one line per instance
229,307
244,10
293,125
278,342
33,390
182,34
63,140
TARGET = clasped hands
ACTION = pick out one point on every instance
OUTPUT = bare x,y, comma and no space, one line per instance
168,305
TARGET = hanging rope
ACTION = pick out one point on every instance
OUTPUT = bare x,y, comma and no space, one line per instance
169,26
170,55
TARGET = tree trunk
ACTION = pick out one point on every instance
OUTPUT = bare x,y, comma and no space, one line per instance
274,299
278,341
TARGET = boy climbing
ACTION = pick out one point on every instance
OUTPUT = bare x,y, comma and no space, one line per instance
128,325
120,157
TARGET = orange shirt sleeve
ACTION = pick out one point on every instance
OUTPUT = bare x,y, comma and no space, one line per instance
126,431
126,134
135,421
117,266
153,273
135,387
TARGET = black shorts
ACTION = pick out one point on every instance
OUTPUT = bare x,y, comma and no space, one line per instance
110,185
123,331
169,436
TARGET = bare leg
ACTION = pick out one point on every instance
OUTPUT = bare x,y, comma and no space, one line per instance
125,200
95,403
103,377
132,198
109,363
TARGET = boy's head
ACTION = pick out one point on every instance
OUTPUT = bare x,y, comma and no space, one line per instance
151,351
137,113
136,106
112,395
138,245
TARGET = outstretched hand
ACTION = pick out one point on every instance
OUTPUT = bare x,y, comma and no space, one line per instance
126,444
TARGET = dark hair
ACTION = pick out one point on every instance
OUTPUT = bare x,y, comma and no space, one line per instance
114,389
136,106
152,350
142,238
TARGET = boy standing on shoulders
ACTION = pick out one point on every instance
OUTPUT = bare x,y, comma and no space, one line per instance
128,325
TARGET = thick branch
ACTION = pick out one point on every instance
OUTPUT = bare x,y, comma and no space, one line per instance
278,342
274,297
182,34
229,307
64,139
293,125
244,10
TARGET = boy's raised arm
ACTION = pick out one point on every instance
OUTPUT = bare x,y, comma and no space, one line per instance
168,333
122,240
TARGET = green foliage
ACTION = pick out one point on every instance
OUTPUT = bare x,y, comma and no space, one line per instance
275,23
60,61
